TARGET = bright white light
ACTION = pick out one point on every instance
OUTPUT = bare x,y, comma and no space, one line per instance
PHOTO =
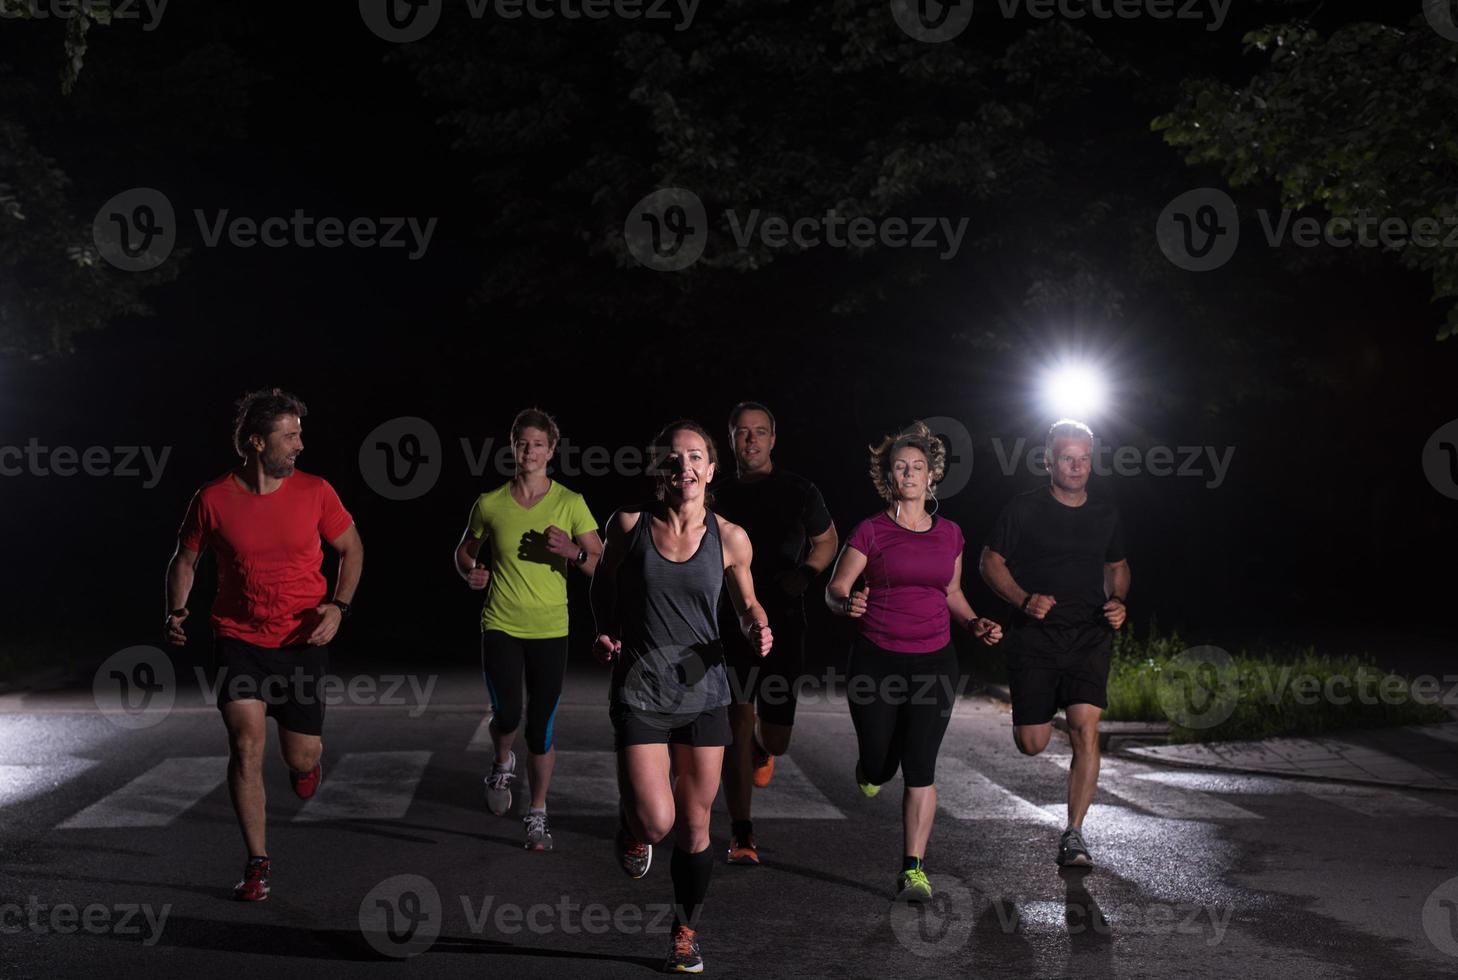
1073,391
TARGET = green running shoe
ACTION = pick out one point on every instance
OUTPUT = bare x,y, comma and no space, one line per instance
912,886
867,789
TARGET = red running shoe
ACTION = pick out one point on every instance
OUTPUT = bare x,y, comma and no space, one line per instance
306,784
254,886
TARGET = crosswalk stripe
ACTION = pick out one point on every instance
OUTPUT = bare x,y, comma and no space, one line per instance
156,797
1175,802
19,783
481,740
368,786
584,783
790,796
966,794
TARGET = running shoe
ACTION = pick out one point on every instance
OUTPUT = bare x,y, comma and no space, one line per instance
742,851
538,837
867,789
764,766
913,886
684,956
254,886
498,786
1072,852
306,784
633,857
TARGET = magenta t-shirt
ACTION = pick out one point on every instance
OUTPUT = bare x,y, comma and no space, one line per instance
907,573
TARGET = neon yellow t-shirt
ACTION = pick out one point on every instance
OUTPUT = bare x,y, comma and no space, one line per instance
527,596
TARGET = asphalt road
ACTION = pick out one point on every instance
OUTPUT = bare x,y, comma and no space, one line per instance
120,849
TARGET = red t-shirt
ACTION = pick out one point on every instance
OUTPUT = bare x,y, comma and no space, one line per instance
268,554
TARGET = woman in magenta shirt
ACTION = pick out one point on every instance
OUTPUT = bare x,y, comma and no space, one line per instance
903,667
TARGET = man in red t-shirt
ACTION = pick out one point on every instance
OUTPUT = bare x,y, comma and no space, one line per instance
271,621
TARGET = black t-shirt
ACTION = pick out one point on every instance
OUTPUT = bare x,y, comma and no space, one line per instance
1056,550
780,513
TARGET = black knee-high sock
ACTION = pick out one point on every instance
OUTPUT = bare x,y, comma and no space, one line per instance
690,873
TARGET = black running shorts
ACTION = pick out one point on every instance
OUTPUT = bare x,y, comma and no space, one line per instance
1050,669
285,679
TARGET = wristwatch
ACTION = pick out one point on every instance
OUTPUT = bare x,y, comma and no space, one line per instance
581,558
343,609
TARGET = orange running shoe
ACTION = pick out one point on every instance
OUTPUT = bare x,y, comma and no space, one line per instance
764,766
742,851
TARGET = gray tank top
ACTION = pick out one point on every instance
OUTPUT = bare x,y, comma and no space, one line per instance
672,663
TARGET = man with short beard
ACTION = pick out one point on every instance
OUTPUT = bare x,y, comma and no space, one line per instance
271,621
1056,555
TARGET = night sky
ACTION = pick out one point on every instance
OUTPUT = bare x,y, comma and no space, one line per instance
1317,371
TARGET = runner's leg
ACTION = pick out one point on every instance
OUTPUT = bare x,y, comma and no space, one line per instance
545,665
501,665
247,726
646,791
1083,773
698,769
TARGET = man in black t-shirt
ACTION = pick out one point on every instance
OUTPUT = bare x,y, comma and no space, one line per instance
1057,555
794,540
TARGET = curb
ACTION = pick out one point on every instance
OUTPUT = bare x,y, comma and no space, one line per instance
1259,771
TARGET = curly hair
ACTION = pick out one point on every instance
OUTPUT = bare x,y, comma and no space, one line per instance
535,418
917,435
258,413
662,444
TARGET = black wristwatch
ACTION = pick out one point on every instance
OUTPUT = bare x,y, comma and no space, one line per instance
343,608
581,558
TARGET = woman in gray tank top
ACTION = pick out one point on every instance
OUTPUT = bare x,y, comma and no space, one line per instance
655,597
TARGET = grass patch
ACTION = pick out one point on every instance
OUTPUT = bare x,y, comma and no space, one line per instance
1209,695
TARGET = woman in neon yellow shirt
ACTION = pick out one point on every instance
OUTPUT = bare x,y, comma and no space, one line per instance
536,531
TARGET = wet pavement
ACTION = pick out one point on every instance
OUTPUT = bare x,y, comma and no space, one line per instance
120,850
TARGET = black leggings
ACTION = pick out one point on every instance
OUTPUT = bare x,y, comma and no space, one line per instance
504,659
900,704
